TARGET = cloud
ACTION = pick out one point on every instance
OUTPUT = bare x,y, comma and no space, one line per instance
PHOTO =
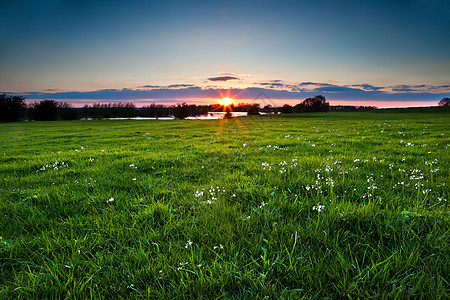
177,86
223,78
52,90
407,88
318,87
368,87
334,89
363,89
238,75
314,84
149,86
172,86
272,84
274,90
420,88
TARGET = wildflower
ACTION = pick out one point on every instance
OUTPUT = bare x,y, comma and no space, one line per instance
134,179
189,243
110,200
318,207
207,202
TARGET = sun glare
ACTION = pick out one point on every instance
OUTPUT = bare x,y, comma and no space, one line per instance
226,101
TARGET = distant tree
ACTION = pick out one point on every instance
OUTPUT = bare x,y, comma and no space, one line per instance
156,111
444,102
86,112
181,111
286,109
316,104
299,108
204,109
245,107
267,109
67,112
126,110
253,110
45,110
12,108
95,111
351,108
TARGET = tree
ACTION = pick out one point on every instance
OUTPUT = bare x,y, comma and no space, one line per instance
444,102
67,112
286,109
12,108
316,104
299,108
253,110
45,110
156,111
181,111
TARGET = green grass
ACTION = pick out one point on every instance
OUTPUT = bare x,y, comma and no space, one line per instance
335,205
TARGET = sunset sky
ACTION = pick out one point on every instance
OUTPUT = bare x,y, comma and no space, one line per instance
375,52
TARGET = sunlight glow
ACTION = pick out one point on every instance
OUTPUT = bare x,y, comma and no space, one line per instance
226,101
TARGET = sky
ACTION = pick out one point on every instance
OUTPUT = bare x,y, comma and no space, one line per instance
384,53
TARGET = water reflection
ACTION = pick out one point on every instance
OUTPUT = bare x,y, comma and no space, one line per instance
213,115
218,115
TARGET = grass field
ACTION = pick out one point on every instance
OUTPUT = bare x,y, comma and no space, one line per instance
314,205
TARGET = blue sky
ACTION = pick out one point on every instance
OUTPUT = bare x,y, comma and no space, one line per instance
385,52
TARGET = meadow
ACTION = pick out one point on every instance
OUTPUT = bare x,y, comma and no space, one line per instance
325,205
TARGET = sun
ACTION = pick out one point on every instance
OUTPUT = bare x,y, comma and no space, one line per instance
226,101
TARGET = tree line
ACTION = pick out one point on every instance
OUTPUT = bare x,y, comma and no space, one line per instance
14,108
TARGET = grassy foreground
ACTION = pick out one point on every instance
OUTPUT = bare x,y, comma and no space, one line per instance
303,206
